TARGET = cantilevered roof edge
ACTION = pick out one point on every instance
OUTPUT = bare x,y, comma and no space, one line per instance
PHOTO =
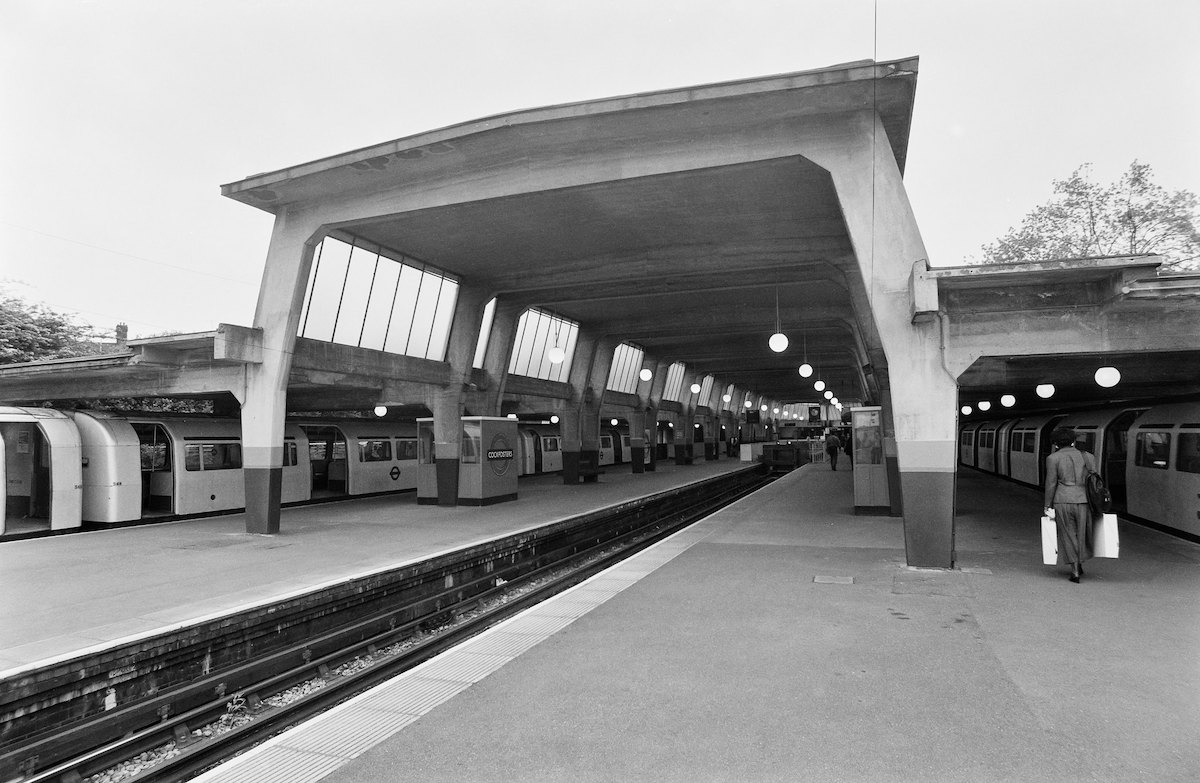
860,70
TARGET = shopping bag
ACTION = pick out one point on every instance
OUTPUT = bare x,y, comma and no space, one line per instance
1049,541
1105,541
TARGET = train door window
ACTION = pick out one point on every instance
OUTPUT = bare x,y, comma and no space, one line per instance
1085,440
290,457
154,447
374,450
1152,450
1187,459
606,441
549,444
317,450
406,449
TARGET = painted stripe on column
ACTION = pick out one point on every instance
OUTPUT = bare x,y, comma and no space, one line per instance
927,456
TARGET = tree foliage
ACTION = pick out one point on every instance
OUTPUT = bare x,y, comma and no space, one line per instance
32,332
1086,219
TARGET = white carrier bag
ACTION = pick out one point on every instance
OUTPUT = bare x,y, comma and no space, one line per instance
1049,541
1105,541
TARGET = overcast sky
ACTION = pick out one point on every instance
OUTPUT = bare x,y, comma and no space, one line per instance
121,119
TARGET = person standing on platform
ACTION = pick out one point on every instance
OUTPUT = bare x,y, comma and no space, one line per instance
833,444
1066,470
850,450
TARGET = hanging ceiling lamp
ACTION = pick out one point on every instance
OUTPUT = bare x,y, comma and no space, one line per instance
779,340
556,355
806,369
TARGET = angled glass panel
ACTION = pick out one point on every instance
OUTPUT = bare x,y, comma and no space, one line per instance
379,308
329,277
674,382
485,334
360,277
403,309
443,319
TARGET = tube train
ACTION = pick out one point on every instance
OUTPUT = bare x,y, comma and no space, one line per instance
102,468
1149,456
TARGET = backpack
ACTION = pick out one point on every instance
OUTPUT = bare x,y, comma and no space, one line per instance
1099,498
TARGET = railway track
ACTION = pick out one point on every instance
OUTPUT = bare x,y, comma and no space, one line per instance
345,662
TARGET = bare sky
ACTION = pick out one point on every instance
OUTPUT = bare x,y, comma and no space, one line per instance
120,119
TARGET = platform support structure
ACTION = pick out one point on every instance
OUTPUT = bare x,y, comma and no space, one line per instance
922,392
651,393
449,404
264,398
496,357
580,424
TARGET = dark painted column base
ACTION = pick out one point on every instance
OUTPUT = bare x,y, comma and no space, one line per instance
928,518
264,489
895,494
589,465
447,482
637,459
570,471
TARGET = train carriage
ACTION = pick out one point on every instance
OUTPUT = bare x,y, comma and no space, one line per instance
1028,445
194,466
361,456
1164,472
966,444
540,448
40,468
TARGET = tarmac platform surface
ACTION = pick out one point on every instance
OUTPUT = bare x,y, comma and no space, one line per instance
68,594
785,639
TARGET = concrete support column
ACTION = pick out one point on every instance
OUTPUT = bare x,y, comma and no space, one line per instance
448,405
637,440
498,353
651,392
264,399
581,423
887,245
447,410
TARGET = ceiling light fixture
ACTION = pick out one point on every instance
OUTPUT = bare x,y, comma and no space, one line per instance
779,340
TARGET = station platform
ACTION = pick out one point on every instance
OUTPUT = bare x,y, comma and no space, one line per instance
785,639
72,594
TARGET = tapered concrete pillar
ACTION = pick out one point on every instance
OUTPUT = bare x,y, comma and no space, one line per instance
264,400
887,246
637,441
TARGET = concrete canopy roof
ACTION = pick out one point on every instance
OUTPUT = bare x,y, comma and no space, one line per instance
676,231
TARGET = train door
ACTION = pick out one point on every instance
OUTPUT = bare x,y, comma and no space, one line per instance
1114,456
158,474
327,458
42,470
1045,447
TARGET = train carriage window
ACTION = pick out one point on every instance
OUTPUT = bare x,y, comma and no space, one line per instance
549,444
1085,441
406,449
316,450
1152,450
374,450
339,450
212,456
290,457
1188,458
